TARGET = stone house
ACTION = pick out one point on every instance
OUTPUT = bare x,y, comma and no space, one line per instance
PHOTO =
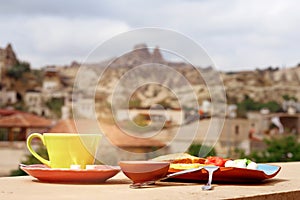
175,116
52,86
7,96
84,107
34,102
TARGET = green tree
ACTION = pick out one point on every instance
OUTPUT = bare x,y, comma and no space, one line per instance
29,160
249,104
194,150
55,104
288,97
17,70
20,105
271,105
283,149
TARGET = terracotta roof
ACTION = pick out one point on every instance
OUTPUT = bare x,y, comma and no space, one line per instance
24,120
119,138
114,135
7,112
64,126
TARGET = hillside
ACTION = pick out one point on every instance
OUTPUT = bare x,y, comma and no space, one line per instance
263,85
260,85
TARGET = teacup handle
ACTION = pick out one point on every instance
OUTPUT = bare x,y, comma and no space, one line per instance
41,137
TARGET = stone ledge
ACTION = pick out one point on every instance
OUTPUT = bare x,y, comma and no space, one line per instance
279,196
286,185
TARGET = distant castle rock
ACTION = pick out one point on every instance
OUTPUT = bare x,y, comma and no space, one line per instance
8,57
139,55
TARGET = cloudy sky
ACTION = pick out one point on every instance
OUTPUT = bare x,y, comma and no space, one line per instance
237,34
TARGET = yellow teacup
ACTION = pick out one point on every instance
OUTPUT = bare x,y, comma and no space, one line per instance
66,149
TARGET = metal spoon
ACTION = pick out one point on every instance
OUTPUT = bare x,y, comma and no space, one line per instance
138,185
210,170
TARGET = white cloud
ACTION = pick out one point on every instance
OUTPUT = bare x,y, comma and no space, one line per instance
57,40
237,34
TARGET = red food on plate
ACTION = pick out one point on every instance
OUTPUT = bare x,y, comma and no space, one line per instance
214,160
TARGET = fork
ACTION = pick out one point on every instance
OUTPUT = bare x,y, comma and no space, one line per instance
139,185
210,170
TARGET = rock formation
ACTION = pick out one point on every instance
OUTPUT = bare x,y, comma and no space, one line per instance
8,56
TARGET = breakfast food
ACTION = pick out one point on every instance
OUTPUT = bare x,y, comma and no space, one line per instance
180,158
241,163
183,166
214,160
182,161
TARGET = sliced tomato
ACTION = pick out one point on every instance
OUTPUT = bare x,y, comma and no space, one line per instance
214,160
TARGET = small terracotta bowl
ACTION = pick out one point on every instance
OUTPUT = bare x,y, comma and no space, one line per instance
142,171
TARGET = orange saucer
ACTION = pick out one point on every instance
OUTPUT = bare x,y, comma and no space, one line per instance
45,174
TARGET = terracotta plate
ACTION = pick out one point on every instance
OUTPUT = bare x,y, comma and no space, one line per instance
45,174
232,174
